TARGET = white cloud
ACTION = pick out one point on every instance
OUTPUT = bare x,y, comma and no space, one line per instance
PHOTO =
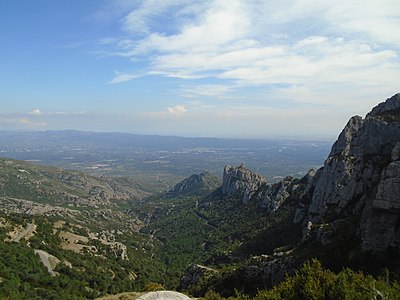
377,21
141,18
176,110
35,112
172,113
219,24
305,49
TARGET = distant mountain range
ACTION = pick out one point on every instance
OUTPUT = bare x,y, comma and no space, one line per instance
161,160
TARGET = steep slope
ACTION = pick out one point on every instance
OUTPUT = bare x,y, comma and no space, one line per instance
361,177
69,230
349,209
245,235
221,229
54,186
65,260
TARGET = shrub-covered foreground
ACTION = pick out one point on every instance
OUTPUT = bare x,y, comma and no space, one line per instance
313,282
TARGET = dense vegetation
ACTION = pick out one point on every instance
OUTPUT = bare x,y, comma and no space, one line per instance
81,275
163,235
313,282
216,235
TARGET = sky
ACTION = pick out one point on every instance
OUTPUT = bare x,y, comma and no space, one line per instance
249,69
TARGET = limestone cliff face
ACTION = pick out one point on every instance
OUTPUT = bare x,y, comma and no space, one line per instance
352,203
241,182
361,176
277,193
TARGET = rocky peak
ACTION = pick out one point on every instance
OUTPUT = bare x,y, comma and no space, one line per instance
391,104
199,184
241,182
361,176
341,146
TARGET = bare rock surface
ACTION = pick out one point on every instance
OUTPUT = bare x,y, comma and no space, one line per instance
163,295
361,176
46,259
241,182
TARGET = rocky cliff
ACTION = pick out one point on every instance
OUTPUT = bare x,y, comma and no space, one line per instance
241,182
348,210
361,177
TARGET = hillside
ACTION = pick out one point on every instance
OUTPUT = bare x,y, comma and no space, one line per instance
197,184
66,188
246,233
347,211
68,229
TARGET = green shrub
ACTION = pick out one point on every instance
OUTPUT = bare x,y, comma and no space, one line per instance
312,282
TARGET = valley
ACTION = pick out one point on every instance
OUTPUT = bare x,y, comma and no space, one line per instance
68,234
157,162
204,150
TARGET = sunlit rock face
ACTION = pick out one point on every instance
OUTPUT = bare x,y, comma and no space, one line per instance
241,182
361,176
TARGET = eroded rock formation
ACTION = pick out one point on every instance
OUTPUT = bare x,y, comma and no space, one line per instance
361,176
241,182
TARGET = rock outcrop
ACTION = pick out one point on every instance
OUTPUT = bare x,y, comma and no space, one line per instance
102,189
241,182
259,271
277,194
194,274
361,177
269,270
197,184
347,209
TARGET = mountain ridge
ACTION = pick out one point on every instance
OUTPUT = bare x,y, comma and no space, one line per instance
242,234
348,210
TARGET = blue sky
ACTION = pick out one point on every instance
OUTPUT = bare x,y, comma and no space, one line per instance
253,69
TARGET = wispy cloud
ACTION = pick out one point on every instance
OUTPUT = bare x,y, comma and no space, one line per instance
209,90
173,112
142,18
308,46
37,119
120,77
29,123
15,121
37,112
